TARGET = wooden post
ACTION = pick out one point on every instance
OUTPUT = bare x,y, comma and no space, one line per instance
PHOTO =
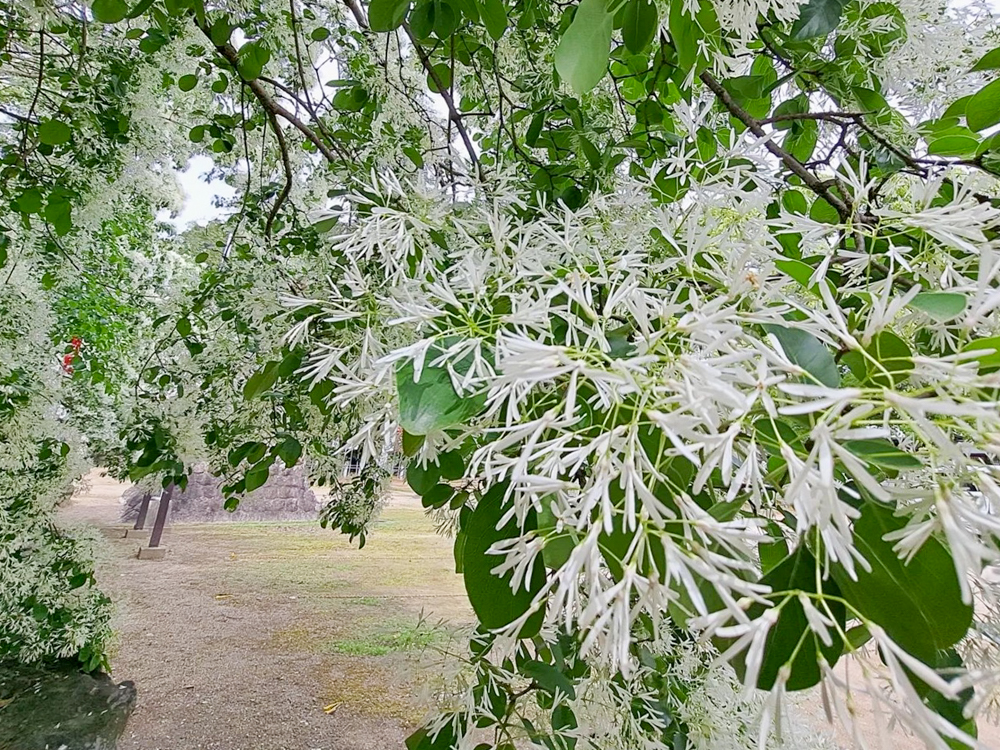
140,520
161,516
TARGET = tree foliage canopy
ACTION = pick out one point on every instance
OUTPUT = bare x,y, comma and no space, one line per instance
683,311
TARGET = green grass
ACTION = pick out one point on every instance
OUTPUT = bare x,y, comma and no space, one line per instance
388,639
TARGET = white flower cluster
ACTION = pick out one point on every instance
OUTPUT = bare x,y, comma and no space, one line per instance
636,357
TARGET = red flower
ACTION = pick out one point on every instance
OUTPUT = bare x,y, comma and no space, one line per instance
67,363
76,342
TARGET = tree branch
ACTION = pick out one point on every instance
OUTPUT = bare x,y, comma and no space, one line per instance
287,165
453,113
820,188
230,55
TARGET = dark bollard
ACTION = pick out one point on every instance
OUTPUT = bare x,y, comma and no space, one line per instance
140,520
154,551
161,516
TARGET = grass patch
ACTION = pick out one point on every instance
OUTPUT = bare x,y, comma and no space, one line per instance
385,640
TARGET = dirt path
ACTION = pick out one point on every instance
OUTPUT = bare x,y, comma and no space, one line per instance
245,633
283,636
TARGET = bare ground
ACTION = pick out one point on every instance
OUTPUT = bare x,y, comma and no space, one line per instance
283,636
274,636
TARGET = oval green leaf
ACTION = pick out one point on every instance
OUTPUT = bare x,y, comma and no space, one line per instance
941,306
54,133
492,599
582,55
808,352
386,15
109,11
432,404
983,109
641,23
918,603
790,640
953,145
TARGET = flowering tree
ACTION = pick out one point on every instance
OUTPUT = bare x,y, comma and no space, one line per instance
687,312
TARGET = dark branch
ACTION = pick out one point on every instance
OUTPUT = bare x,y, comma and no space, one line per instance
820,188
286,164
267,101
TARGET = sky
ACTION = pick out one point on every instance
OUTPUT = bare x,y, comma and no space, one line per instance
200,195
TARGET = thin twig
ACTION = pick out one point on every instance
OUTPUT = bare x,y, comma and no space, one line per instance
283,195
230,55
822,189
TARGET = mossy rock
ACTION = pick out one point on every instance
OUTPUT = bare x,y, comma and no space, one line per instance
58,706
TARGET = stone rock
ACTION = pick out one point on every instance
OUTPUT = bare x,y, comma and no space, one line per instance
60,707
285,496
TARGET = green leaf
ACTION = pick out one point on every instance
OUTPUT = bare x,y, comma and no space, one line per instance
808,352
817,18
494,15
221,31
989,361
320,34
54,133
261,381
141,7
535,129
880,452
452,465
491,597
444,739
252,58
956,108
557,549
687,34
432,404
30,201
989,61
184,327
894,357
386,15
445,19
590,151
953,145
919,603
412,443
109,11
801,139
801,272
443,73
422,19
187,82
59,213
422,478
289,451
942,306
823,212
548,678
437,496
257,477
582,55
772,553
641,22
790,639
459,551
795,106
983,109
